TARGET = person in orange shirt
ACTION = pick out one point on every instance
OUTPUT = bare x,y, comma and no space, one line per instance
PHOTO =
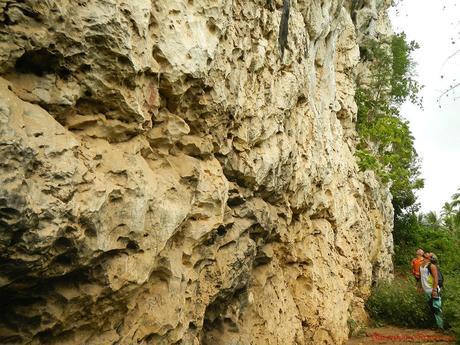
415,264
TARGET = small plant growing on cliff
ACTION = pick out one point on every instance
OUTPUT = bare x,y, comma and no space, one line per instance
356,328
386,144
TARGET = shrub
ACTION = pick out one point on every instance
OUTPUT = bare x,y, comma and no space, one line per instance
451,304
399,303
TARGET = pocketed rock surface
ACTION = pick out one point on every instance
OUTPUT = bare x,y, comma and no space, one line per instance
167,178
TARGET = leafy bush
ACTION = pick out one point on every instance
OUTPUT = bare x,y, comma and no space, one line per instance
451,304
399,303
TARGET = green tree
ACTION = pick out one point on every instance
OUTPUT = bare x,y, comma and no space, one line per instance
448,215
456,199
451,213
386,143
432,220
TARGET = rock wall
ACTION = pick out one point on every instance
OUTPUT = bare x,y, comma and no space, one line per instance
167,178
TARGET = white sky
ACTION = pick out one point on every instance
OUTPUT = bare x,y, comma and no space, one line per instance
434,24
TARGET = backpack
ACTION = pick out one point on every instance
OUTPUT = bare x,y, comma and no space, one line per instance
440,276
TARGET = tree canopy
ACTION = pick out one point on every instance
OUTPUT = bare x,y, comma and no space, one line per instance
386,143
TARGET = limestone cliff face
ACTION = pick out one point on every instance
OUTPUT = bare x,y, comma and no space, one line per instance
167,178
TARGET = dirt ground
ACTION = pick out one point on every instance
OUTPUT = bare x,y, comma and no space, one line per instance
401,336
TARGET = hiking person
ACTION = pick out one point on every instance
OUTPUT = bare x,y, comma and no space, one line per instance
429,278
415,264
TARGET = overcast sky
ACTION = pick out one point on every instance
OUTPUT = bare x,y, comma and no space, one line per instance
434,24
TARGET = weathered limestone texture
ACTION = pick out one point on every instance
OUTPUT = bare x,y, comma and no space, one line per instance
167,178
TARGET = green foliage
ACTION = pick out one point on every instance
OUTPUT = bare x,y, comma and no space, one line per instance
357,328
399,303
451,304
386,144
387,147
368,161
438,234
451,213
403,84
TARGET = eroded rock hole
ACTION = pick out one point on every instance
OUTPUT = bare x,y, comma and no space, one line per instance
8,213
132,245
88,226
85,68
214,319
221,230
63,73
63,243
211,27
66,259
40,62
45,335
365,54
